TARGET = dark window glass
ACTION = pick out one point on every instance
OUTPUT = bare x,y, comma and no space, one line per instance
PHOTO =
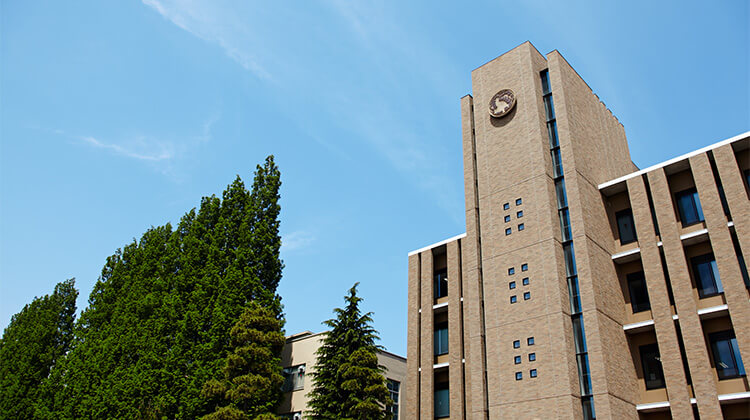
570,259
567,234
517,360
689,206
625,226
507,218
511,271
506,206
532,357
512,285
583,373
524,267
706,275
575,295
513,299
525,281
562,198
441,284
552,134
652,370
527,295
516,344
588,408
521,227
294,378
579,335
726,355
442,400
747,178
638,292
518,201
394,388
557,167
441,338
519,214
549,108
508,231
519,376
530,341
532,373
545,82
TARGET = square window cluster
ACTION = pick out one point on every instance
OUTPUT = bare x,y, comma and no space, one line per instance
519,214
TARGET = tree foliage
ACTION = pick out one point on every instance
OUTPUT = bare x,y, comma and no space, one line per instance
31,345
251,386
158,323
348,383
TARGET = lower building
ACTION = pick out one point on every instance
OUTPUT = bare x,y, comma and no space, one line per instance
583,287
298,359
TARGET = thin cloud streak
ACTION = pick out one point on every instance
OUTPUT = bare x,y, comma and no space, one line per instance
163,154
296,240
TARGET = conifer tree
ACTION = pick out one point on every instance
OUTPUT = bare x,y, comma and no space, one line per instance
348,383
31,345
158,323
251,386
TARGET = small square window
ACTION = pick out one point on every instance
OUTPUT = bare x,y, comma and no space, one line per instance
506,206
525,281
512,271
519,214
517,344
518,201
527,295
513,299
532,357
530,341
508,231
519,376
507,218
517,360
521,227
512,285
524,267
532,373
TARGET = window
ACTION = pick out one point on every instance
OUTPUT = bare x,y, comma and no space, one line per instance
297,415
530,341
524,267
513,299
519,376
519,214
652,370
394,387
525,281
625,226
441,338
532,357
506,206
706,275
566,233
689,206
532,373
442,400
508,231
517,360
726,355
512,285
638,292
512,271
441,284
526,295
507,218
557,166
517,344
518,201
294,378
520,227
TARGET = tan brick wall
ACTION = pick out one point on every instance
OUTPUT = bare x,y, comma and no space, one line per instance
410,404
734,189
455,331
426,383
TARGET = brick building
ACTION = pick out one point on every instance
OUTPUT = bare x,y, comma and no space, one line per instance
583,287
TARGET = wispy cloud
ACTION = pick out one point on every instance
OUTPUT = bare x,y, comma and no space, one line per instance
196,19
296,240
160,152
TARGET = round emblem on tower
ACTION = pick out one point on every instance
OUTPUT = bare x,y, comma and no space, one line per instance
502,103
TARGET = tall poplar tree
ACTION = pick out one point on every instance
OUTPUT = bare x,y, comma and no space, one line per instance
31,345
158,323
348,383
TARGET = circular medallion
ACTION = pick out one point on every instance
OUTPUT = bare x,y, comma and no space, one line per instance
502,103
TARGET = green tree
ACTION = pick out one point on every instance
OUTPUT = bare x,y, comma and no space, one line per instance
31,345
158,323
251,387
348,383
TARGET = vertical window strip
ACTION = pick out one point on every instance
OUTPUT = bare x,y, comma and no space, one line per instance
584,376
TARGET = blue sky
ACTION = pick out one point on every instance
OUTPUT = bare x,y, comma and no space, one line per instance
120,115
